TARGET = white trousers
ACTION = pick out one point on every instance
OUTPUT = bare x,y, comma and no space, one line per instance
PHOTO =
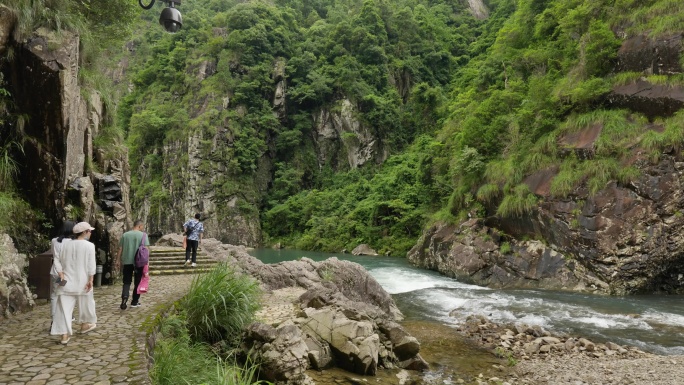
64,311
53,295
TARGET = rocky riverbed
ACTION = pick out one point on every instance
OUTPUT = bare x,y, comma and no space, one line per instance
540,357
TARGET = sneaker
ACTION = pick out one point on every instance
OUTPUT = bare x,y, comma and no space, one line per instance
123,304
136,304
194,264
187,262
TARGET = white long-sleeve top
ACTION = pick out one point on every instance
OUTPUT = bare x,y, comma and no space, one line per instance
56,249
77,261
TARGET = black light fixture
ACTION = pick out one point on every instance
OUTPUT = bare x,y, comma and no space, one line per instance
170,17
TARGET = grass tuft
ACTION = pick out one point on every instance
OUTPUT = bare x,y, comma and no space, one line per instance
517,203
220,304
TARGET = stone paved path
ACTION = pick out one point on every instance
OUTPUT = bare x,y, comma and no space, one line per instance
114,353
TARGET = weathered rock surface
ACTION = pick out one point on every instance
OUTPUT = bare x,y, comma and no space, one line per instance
541,358
524,341
58,140
651,56
652,100
340,132
478,9
335,314
364,249
7,22
14,292
624,239
473,251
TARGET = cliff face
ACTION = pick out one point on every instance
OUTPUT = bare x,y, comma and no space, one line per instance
57,175
624,239
341,139
230,203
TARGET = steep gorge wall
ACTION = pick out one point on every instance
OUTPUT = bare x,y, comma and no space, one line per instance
624,239
62,175
230,204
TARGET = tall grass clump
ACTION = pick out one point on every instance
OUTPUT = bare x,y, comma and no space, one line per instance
672,136
652,17
220,304
520,201
624,78
180,360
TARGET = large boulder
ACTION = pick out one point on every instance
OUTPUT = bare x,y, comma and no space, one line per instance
364,249
354,342
281,352
14,292
476,252
344,317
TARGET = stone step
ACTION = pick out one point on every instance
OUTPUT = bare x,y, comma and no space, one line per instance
154,257
173,253
168,250
165,260
178,267
170,262
188,270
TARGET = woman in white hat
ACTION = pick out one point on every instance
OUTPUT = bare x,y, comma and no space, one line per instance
76,265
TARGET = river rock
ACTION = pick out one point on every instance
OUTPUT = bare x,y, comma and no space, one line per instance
364,249
533,341
344,317
587,345
281,352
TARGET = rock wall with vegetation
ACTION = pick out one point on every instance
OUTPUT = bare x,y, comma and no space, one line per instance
325,125
582,155
57,162
253,106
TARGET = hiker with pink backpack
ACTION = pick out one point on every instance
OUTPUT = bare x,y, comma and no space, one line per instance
134,254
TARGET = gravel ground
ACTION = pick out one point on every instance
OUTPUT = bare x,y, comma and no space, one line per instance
582,370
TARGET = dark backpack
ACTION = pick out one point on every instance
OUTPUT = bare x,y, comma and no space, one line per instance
142,255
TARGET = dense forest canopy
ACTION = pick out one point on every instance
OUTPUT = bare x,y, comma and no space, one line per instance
463,108
467,107
394,60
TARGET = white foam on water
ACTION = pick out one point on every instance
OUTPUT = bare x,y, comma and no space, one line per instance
663,318
601,322
397,280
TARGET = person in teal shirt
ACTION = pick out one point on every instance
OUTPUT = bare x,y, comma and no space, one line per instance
128,245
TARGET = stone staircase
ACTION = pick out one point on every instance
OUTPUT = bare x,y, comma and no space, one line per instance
165,260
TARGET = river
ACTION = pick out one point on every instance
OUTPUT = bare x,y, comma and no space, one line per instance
651,323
